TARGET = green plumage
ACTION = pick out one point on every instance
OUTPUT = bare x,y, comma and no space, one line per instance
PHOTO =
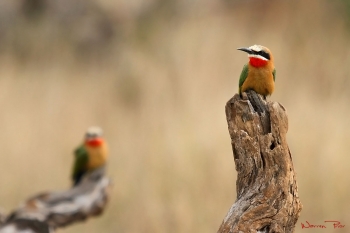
81,159
244,76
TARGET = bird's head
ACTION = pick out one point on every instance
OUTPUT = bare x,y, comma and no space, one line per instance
258,55
93,136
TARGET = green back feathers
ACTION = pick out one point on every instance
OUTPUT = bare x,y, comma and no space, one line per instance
79,168
274,74
243,77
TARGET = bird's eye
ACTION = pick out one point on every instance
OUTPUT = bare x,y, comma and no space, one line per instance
264,54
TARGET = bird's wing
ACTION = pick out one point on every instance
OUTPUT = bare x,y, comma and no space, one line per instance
243,77
274,74
79,168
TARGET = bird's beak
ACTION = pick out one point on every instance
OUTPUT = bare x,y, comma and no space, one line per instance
247,50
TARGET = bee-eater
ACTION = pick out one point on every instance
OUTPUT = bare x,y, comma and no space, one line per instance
90,155
259,73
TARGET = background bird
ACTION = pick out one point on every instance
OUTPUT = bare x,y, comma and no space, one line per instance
90,155
159,85
259,73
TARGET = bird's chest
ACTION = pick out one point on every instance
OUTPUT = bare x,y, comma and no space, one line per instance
97,157
260,80
259,75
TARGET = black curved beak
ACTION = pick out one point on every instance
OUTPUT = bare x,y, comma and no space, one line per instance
247,50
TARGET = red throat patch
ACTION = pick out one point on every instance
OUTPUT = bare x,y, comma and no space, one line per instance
257,62
95,142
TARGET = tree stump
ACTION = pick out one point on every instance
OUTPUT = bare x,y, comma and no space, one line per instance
267,192
45,212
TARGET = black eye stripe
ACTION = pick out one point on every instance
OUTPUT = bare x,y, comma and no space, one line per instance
263,53
91,135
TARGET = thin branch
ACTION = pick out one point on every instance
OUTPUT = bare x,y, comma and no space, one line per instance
48,211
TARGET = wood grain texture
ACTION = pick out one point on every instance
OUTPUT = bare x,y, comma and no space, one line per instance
267,192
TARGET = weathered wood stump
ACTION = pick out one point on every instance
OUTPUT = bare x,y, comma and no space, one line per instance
45,212
267,192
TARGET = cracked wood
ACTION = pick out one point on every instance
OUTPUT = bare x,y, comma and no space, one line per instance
267,193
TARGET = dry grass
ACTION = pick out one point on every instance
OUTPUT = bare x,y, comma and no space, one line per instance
160,95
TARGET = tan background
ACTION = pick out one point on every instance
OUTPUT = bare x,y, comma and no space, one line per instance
156,76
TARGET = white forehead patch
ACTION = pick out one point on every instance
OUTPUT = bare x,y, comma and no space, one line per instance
256,48
94,130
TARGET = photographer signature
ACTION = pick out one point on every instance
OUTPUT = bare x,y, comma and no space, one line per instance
334,224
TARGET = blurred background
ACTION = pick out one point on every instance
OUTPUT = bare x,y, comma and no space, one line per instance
156,76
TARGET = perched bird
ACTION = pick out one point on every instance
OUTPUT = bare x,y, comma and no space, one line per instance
90,155
259,73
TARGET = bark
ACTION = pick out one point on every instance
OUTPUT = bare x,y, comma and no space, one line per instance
47,211
267,192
